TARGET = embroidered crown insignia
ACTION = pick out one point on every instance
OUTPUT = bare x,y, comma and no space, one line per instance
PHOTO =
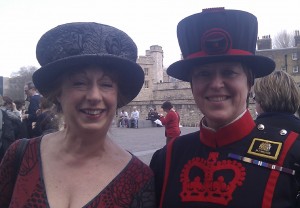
202,180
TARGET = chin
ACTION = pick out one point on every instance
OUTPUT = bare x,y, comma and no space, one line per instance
219,119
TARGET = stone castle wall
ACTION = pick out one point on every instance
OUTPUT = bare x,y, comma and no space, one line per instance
163,88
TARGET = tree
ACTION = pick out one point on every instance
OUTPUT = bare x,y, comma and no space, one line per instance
18,80
283,39
25,72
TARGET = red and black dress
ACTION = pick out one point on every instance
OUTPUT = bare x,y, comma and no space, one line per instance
133,187
241,165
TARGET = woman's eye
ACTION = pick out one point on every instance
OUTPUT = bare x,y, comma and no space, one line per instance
229,73
201,74
108,84
79,83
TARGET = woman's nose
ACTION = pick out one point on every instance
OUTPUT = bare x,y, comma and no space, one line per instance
94,93
217,81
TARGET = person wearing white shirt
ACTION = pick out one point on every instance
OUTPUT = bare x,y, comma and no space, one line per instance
134,117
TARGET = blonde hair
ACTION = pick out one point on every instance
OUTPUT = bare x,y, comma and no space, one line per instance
277,92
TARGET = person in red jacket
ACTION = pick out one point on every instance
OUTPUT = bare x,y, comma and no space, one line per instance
170,121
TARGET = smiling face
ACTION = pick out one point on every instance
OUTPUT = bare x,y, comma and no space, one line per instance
88,99
220,91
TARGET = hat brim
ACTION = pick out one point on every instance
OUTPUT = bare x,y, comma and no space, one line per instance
130,74
260,65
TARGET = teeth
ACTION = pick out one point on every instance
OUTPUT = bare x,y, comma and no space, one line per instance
217,99
93,112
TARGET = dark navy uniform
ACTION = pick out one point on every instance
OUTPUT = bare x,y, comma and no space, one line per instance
242,165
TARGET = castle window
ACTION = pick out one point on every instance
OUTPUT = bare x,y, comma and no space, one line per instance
146,84
146,71
295,69
294,56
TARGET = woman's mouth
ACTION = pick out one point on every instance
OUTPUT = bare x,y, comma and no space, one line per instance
217,98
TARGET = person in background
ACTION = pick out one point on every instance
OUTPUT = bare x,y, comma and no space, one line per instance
230,161
20,106
47,119
134,118
10,107
152,115
14,116
277,100
85,68
10,125
34,100
170,121
123,119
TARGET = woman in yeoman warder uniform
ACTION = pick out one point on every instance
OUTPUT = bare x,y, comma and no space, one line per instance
231,161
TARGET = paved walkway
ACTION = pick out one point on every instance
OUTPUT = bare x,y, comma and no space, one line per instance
143,142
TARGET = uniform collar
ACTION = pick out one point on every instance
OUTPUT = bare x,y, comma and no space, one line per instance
228,134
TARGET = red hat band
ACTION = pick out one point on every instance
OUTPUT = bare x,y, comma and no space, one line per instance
217,42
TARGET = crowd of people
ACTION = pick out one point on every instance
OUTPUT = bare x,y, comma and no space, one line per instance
18,121
233,160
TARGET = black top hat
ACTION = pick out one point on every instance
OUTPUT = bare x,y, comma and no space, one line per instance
216,35
76,44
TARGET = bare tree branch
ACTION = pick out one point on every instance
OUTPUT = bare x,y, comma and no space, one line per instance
283,39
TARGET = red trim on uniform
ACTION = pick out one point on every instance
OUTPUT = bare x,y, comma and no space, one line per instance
167,170
270,188
228,134
229,52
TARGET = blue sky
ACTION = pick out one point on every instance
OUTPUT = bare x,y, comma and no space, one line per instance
151,22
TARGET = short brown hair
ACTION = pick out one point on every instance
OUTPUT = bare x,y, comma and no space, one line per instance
277,92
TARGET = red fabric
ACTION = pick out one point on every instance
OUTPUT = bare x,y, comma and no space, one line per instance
269,191
134,185
171,123
229,52
167,170
226,135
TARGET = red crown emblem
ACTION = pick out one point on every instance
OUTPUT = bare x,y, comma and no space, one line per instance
211,187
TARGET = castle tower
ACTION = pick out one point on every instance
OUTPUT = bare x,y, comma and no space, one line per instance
157,54
152,64
264,43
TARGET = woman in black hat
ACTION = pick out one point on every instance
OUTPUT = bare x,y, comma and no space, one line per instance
84,68
231,161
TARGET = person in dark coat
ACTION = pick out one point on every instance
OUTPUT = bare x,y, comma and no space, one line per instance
153,116
47,119
34,100
231,161
277,100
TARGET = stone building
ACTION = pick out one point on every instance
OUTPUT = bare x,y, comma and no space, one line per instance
159,87
287,59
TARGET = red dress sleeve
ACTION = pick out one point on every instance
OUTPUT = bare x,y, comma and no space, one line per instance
7,173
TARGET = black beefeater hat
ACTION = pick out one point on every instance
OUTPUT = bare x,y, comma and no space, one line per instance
217,35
